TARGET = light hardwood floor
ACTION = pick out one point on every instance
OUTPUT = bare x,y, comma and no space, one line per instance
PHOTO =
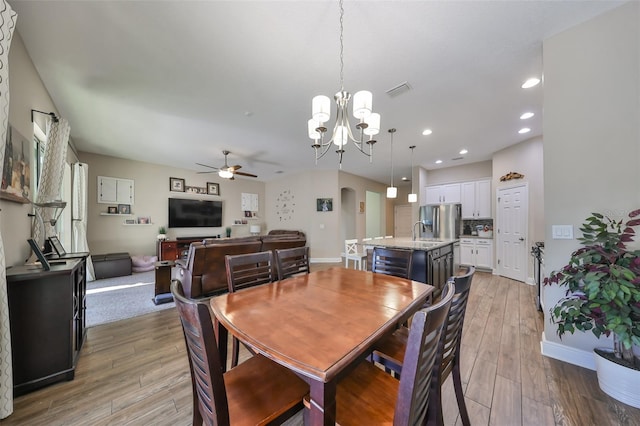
136,372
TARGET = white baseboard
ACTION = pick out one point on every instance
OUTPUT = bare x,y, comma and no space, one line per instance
326,260
568,354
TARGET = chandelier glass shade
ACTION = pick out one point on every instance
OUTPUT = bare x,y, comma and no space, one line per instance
368,122
392,191
413,197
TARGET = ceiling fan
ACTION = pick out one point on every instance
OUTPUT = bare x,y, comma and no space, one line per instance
226,171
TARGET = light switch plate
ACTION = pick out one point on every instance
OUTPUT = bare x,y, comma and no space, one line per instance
562,232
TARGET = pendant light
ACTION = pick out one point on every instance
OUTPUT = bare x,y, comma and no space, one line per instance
413,197
392,191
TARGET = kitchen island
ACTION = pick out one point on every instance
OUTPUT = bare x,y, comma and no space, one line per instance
432,259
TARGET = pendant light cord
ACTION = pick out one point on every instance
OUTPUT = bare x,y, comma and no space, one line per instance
392,131
341,47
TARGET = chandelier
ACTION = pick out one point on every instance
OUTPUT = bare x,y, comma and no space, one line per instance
368,121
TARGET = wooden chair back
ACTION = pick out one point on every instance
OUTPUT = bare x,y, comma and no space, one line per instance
412,406
209,392
351,247
396,262
292,261
249,270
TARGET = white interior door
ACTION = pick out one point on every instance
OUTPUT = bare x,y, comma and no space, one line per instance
402,221
513,255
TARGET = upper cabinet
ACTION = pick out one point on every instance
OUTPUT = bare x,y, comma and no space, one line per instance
449,193
476,199
115,190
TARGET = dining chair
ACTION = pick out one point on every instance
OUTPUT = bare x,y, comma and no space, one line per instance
369,396
351,252
390,351
396,262
292,261
256,392
367,249
248,270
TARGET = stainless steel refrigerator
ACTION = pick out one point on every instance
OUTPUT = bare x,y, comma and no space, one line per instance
441,221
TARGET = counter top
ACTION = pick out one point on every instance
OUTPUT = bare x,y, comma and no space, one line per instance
408,243
476,236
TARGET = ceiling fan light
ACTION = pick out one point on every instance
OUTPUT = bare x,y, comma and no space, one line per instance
362,104
321,108
225,174
412,198
392,192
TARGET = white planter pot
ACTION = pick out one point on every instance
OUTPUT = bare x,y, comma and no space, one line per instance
618,381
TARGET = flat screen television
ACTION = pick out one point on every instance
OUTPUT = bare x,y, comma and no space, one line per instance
185,213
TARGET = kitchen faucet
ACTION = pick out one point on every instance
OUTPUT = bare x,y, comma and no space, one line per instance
413,231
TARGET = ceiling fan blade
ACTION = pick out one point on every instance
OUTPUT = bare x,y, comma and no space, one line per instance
236,167
211,171
245,174
204,165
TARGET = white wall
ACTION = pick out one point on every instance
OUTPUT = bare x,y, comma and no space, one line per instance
591,141
107,234
26,92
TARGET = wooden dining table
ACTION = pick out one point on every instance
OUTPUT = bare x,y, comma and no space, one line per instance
318,325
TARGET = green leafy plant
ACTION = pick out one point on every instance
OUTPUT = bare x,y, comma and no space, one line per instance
603,284
162,230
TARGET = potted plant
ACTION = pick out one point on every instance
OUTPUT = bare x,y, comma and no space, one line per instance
162,233
603,296
228,229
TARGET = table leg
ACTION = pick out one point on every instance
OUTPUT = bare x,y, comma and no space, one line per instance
323,403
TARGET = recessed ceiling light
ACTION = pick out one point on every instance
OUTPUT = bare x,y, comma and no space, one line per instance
438,161
524,130
405,179
427,132
526,115
463,151
530,83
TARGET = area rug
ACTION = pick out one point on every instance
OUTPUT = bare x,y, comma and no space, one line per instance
118,298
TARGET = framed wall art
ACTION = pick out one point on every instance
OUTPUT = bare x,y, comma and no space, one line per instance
176,184
16,170
213,188
324,204
124,208
112,210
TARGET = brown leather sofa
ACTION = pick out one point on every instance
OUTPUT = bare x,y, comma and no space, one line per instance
203,273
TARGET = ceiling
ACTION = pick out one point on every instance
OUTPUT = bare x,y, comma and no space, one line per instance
177,82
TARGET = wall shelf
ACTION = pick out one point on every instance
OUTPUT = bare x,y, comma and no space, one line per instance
138,224
114,214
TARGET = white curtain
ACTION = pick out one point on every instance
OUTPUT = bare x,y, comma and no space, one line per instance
7,25
79,213
50,183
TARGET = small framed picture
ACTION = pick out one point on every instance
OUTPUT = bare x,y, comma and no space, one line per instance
112,210
176,184
130,221
144,220
124,208
213,188
324,204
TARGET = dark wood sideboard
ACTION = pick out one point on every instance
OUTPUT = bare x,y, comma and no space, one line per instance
47,320
177,249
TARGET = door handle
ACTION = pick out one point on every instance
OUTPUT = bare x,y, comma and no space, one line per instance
521,239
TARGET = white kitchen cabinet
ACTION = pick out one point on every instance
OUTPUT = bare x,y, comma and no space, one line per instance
115,190
476,199
449,193
476,252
